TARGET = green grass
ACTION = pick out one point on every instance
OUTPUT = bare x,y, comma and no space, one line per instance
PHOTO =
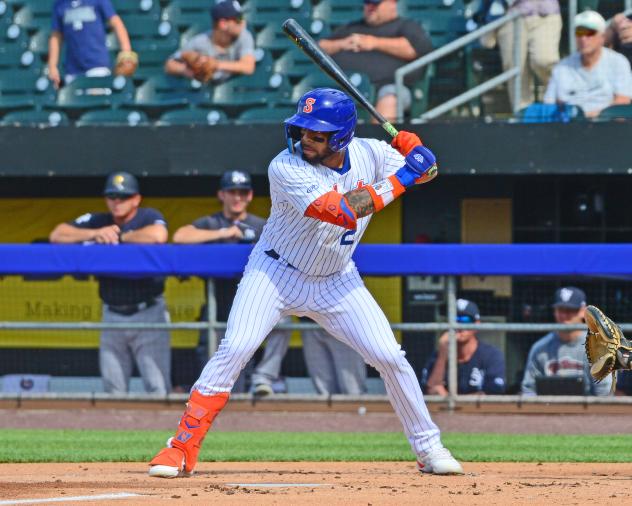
136,446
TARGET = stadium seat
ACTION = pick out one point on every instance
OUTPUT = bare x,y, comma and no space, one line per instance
35,118
21,89
616,112
125,7
38,42
442,26
86,93
273,38
162,93
147,26
14,57
181,14
416,8
113,117
192,31
264,60
265,115
294,63
35,16
259,13
193,117
152,55
338,12
259,89
318,79
13,35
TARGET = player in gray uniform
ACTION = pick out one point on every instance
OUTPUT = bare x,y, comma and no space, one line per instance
232,225
229,42
127,300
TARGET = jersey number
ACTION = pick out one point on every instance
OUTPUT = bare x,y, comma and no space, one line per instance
347,238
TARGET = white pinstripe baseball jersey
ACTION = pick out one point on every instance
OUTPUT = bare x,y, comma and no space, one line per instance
312,246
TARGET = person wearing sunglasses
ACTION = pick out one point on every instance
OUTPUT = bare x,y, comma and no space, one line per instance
229,46
619,35
481,367
594,77
127,300
378,45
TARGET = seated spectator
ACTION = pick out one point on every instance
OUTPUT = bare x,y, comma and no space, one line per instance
594,77
229,47
619,35
481,367
82,26
562,353
378,45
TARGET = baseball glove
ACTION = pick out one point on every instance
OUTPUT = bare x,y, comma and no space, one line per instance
126,63
604,345
203,67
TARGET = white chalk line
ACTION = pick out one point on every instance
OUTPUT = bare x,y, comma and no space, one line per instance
120,495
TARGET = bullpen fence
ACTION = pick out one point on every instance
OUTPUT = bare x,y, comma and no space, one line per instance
434,275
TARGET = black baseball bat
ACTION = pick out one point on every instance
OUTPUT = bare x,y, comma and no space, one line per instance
306,44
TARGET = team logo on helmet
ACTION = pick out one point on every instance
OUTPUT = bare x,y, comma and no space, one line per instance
309,103
118,181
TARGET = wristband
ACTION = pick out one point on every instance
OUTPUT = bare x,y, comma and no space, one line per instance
385,191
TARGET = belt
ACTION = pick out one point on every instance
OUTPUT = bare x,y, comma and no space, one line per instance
273,254
130,309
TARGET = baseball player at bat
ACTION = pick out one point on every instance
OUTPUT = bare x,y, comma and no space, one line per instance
324,188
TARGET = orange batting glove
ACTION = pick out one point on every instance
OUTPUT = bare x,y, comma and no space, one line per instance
405,142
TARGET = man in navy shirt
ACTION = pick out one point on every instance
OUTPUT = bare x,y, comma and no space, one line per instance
127,300
481,367
81,24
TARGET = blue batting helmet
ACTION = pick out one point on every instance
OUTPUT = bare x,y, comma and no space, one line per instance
323,110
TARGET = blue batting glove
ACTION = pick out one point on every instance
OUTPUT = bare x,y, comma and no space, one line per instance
418,163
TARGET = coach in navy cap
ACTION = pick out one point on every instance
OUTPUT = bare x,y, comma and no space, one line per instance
235,180
121,184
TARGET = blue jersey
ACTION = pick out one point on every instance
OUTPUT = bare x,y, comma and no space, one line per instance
83,26
485,371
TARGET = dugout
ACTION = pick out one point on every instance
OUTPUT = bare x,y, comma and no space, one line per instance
499,183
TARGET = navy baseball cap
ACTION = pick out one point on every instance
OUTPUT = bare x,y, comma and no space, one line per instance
570,297
121,183
468,309
226,9
235,180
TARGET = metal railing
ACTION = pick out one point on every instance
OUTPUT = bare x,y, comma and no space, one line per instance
512,73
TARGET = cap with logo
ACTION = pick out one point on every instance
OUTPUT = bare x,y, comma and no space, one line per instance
570,297
467,308
591,20
121,183
226,9
235,180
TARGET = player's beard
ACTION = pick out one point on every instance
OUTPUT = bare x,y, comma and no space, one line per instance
317,159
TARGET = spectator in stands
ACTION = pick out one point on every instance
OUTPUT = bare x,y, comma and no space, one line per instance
378,45
540,27
229,44
127,300
619,35
481,367
562,353
233,225
594,77
82,26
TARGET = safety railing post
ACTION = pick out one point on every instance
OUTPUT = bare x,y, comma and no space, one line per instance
452,358
517,58
211,316
572,12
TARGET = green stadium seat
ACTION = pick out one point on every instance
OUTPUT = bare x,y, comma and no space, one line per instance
152,55
616,112
14,57
113,117
259,13
86,93
442,26
317,79
294,63
273,38
147,26
34,16
193,117
259,89
38,42
35,117
264,60
416,8
192,31
258,115
13,35
338,12
124,7
162,93
183,16
22,88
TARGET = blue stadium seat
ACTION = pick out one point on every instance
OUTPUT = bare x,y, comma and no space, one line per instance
549,113
35,117
194,116
86,93
259,115
113,117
